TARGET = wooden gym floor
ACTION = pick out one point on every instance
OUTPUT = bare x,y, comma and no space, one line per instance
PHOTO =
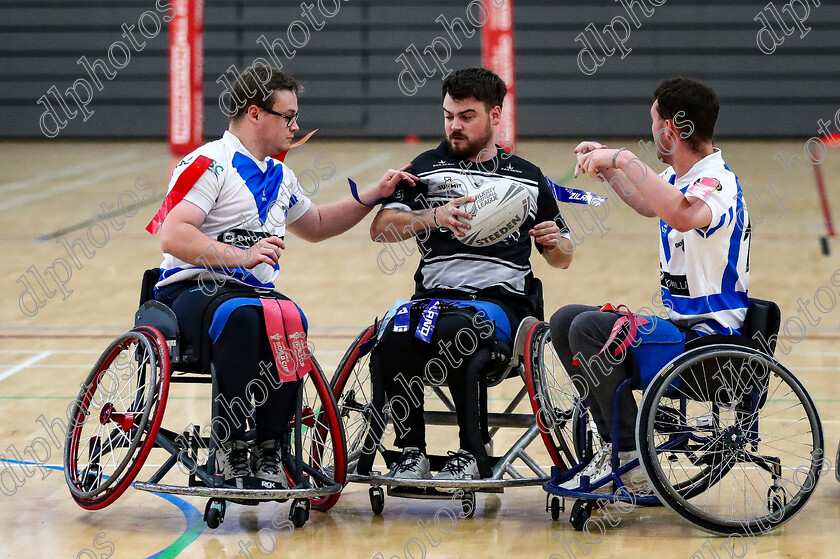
43,358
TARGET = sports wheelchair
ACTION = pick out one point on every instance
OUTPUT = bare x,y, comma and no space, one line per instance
116,422
726,436
360,397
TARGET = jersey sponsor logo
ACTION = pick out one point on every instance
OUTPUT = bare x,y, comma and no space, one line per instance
510,168
677,285
680,244
215,167
441,163
241,238
703,187
451,187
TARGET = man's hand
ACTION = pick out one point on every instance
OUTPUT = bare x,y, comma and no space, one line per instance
446,215
266,251
547,234
595,161
582,149
388,183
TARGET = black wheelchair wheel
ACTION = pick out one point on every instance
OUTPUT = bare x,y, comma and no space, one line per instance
738,427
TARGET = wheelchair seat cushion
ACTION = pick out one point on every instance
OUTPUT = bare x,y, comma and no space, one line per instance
656,344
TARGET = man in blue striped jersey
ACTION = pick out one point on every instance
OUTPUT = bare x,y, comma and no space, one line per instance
703,254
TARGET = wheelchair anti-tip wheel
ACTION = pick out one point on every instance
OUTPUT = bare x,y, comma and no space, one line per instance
730,440
322,436
553,396
116,417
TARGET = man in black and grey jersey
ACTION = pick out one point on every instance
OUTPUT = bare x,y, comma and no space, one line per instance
482,293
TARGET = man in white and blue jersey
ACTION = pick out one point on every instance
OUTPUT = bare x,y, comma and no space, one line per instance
704,253
222,228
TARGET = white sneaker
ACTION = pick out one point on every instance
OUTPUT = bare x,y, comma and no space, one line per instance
600,468
413,464
461,465
597,469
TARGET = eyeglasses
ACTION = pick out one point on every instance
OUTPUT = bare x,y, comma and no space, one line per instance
290,120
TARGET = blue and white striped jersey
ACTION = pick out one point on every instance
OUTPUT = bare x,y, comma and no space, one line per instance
705,274
245,199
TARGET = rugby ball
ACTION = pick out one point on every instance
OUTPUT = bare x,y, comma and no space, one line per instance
499,209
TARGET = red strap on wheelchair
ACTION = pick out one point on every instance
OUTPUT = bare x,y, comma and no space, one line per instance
627,317
286,338
296,336
183,185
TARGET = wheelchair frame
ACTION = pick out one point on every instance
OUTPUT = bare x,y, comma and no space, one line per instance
360,462
155,342
742,440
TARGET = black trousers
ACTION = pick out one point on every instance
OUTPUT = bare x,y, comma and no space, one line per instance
245,393
408,365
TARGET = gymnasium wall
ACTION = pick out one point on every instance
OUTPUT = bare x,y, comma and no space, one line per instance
771,84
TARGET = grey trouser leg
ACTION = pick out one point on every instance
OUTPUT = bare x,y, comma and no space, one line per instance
579,332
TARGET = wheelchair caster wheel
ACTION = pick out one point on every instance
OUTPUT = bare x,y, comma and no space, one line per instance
299,512
581,512
776,499
468,504
377,500
214,513
555,508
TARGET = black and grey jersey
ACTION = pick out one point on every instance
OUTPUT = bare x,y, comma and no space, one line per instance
449,268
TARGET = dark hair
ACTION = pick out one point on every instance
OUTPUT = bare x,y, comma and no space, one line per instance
255,85
693,106
479,83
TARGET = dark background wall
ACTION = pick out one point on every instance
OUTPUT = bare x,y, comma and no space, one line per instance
350,73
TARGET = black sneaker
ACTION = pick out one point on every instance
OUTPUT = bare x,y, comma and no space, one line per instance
267,462
232,462
413,464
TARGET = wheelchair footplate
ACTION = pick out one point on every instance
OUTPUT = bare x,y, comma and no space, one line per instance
589,492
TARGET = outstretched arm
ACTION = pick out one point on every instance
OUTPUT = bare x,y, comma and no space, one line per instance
328,220
617,179
665,201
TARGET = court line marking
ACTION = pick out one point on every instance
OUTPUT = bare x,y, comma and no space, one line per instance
25,364
82,182
66,171
194,518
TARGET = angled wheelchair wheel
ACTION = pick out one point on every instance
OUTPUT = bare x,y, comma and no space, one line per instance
323,435
730,440
116,418
352,389
553,396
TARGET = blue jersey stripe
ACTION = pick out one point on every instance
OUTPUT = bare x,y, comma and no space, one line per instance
706,304
264,186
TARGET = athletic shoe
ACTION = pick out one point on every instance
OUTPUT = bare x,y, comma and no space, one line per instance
232,463
461,465
413,464
600,468
267,462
